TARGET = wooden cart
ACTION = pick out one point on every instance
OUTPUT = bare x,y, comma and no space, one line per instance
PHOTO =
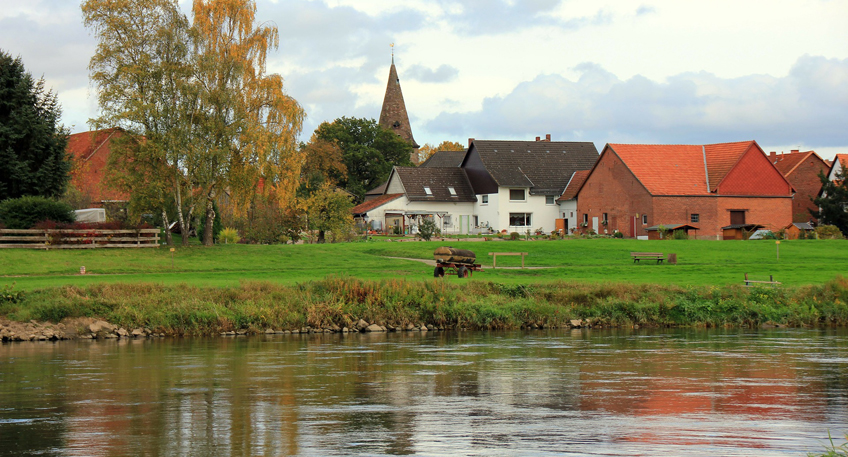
459,262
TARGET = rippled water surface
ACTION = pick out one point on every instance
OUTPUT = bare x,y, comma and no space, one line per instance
647,392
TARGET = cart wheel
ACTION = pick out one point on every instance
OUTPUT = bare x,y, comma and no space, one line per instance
462,272
439,272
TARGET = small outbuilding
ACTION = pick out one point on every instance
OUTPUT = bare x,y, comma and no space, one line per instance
795,229
739,231
655,232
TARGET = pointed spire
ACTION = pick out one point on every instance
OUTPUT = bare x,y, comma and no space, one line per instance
393,115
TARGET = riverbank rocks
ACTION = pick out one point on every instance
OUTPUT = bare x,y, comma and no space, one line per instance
361,325
375,328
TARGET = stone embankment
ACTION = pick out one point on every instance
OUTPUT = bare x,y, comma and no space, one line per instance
68,329
89,328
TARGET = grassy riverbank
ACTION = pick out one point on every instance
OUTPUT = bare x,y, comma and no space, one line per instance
342,301
717,263
200,290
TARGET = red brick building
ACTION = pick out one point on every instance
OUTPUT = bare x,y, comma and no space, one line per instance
634,187
802,170
90,152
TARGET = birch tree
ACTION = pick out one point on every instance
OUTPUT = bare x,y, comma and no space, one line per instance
141,69
247,124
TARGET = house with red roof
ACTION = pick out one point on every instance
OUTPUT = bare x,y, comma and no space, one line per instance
840,162
90,154
568,202
709,188
802,170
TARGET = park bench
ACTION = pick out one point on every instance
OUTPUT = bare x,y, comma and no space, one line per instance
496,254
637,256
752,283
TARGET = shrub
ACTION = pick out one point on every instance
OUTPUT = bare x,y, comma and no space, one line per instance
828,232
680,235
618,234
427,229
514,236
25,212
229,236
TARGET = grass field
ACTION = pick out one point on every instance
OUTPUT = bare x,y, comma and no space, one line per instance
801,262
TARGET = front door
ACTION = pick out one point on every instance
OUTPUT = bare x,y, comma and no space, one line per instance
595,224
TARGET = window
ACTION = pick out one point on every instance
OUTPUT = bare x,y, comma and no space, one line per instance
585,218
452,191
485,200
694,218
644,219
550,200
446,220
516,195
604,218
519,219
428,191
476,221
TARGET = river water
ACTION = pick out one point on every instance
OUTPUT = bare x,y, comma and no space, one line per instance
565,392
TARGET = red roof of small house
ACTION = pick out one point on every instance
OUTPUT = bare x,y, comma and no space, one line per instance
90,151
577,180
788,163
364,207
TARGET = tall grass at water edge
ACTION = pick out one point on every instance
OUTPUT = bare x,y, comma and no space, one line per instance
343,301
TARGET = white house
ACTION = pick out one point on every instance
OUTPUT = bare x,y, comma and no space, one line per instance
517,183
839,162
414,194
568,202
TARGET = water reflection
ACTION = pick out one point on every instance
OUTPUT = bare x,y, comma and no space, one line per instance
680,392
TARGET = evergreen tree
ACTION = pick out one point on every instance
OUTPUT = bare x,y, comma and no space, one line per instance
33,157
833,202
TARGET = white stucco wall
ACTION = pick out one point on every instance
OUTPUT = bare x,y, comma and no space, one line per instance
836,169
568,211
487,214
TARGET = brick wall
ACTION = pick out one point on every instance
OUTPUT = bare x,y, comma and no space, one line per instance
774,213
612,189
805,180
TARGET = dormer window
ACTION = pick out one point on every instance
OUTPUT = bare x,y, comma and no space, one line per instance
428,191
452,191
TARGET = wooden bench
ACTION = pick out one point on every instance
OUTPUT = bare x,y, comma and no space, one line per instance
752,283
496,254
637,256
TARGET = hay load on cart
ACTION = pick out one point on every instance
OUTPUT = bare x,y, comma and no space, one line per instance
452,261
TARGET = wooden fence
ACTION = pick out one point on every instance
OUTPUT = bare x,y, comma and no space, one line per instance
79,239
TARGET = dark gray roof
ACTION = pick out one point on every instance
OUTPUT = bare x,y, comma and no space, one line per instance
379,190
543,166
444,159
438,180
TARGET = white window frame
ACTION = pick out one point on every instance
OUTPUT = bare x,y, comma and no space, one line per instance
452,191
528,219
552,199
484,199
523,191
428,191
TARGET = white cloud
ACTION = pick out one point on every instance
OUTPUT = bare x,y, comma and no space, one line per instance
443,74
808,106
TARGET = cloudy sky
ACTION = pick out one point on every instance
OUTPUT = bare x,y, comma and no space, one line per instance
644,71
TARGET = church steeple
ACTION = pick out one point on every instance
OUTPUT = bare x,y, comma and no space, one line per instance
394,116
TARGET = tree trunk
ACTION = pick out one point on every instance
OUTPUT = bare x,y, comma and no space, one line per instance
167,225
184,229
208,236
321,237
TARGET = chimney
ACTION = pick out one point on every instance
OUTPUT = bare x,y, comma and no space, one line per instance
772,156
538,138
470,140
548,137
795,151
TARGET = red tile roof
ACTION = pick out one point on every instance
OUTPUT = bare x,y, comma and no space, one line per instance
672,169
90,151
374,203
721,158
787,163
577,180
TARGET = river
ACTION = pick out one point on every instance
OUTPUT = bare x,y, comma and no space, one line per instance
678,392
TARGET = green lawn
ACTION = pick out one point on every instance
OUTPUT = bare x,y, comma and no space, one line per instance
593,260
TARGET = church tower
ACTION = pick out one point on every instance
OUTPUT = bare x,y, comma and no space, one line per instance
393,116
